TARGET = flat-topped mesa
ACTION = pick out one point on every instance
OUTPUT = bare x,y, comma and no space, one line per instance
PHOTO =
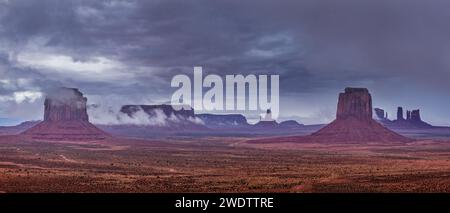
356,103
168,110
217,121
65,104
413,120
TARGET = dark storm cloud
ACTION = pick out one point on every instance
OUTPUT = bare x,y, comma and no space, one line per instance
133,48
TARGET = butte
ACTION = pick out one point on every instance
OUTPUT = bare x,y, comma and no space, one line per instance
65,119
353,124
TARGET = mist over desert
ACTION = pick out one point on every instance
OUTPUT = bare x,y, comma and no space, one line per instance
260,96
66,153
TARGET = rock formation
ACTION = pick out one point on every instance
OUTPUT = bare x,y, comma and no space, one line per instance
266,122
165,117
354,121
413,121
411,115
415,115
380,113
65,105
353,124
400,113
356,103
168,110
291,124
65,118
266,125
223,121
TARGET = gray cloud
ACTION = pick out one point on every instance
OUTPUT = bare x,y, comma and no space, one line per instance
400,49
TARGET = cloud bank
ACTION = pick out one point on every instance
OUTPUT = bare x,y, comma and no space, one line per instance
399,49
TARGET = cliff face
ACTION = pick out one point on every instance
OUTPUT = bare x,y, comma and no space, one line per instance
356,103
415,115
354,121
66,104
353,124
400,114
65,119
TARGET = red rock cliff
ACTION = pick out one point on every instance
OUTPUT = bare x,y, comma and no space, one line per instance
65,119
354,121
354,102
66,104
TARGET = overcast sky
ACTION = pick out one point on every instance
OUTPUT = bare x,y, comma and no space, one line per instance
126,52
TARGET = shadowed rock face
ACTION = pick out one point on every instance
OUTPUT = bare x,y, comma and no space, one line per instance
415,115
65,119
400,114
356,103
291,124
266,125
66,104
380,113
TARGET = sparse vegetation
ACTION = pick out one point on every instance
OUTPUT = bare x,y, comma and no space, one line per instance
125,165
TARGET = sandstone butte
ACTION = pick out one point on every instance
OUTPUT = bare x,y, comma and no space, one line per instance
353,124
65,119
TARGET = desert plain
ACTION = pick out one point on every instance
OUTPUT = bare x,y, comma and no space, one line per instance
221,164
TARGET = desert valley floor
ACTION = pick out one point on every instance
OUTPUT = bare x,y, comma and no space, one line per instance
221,164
